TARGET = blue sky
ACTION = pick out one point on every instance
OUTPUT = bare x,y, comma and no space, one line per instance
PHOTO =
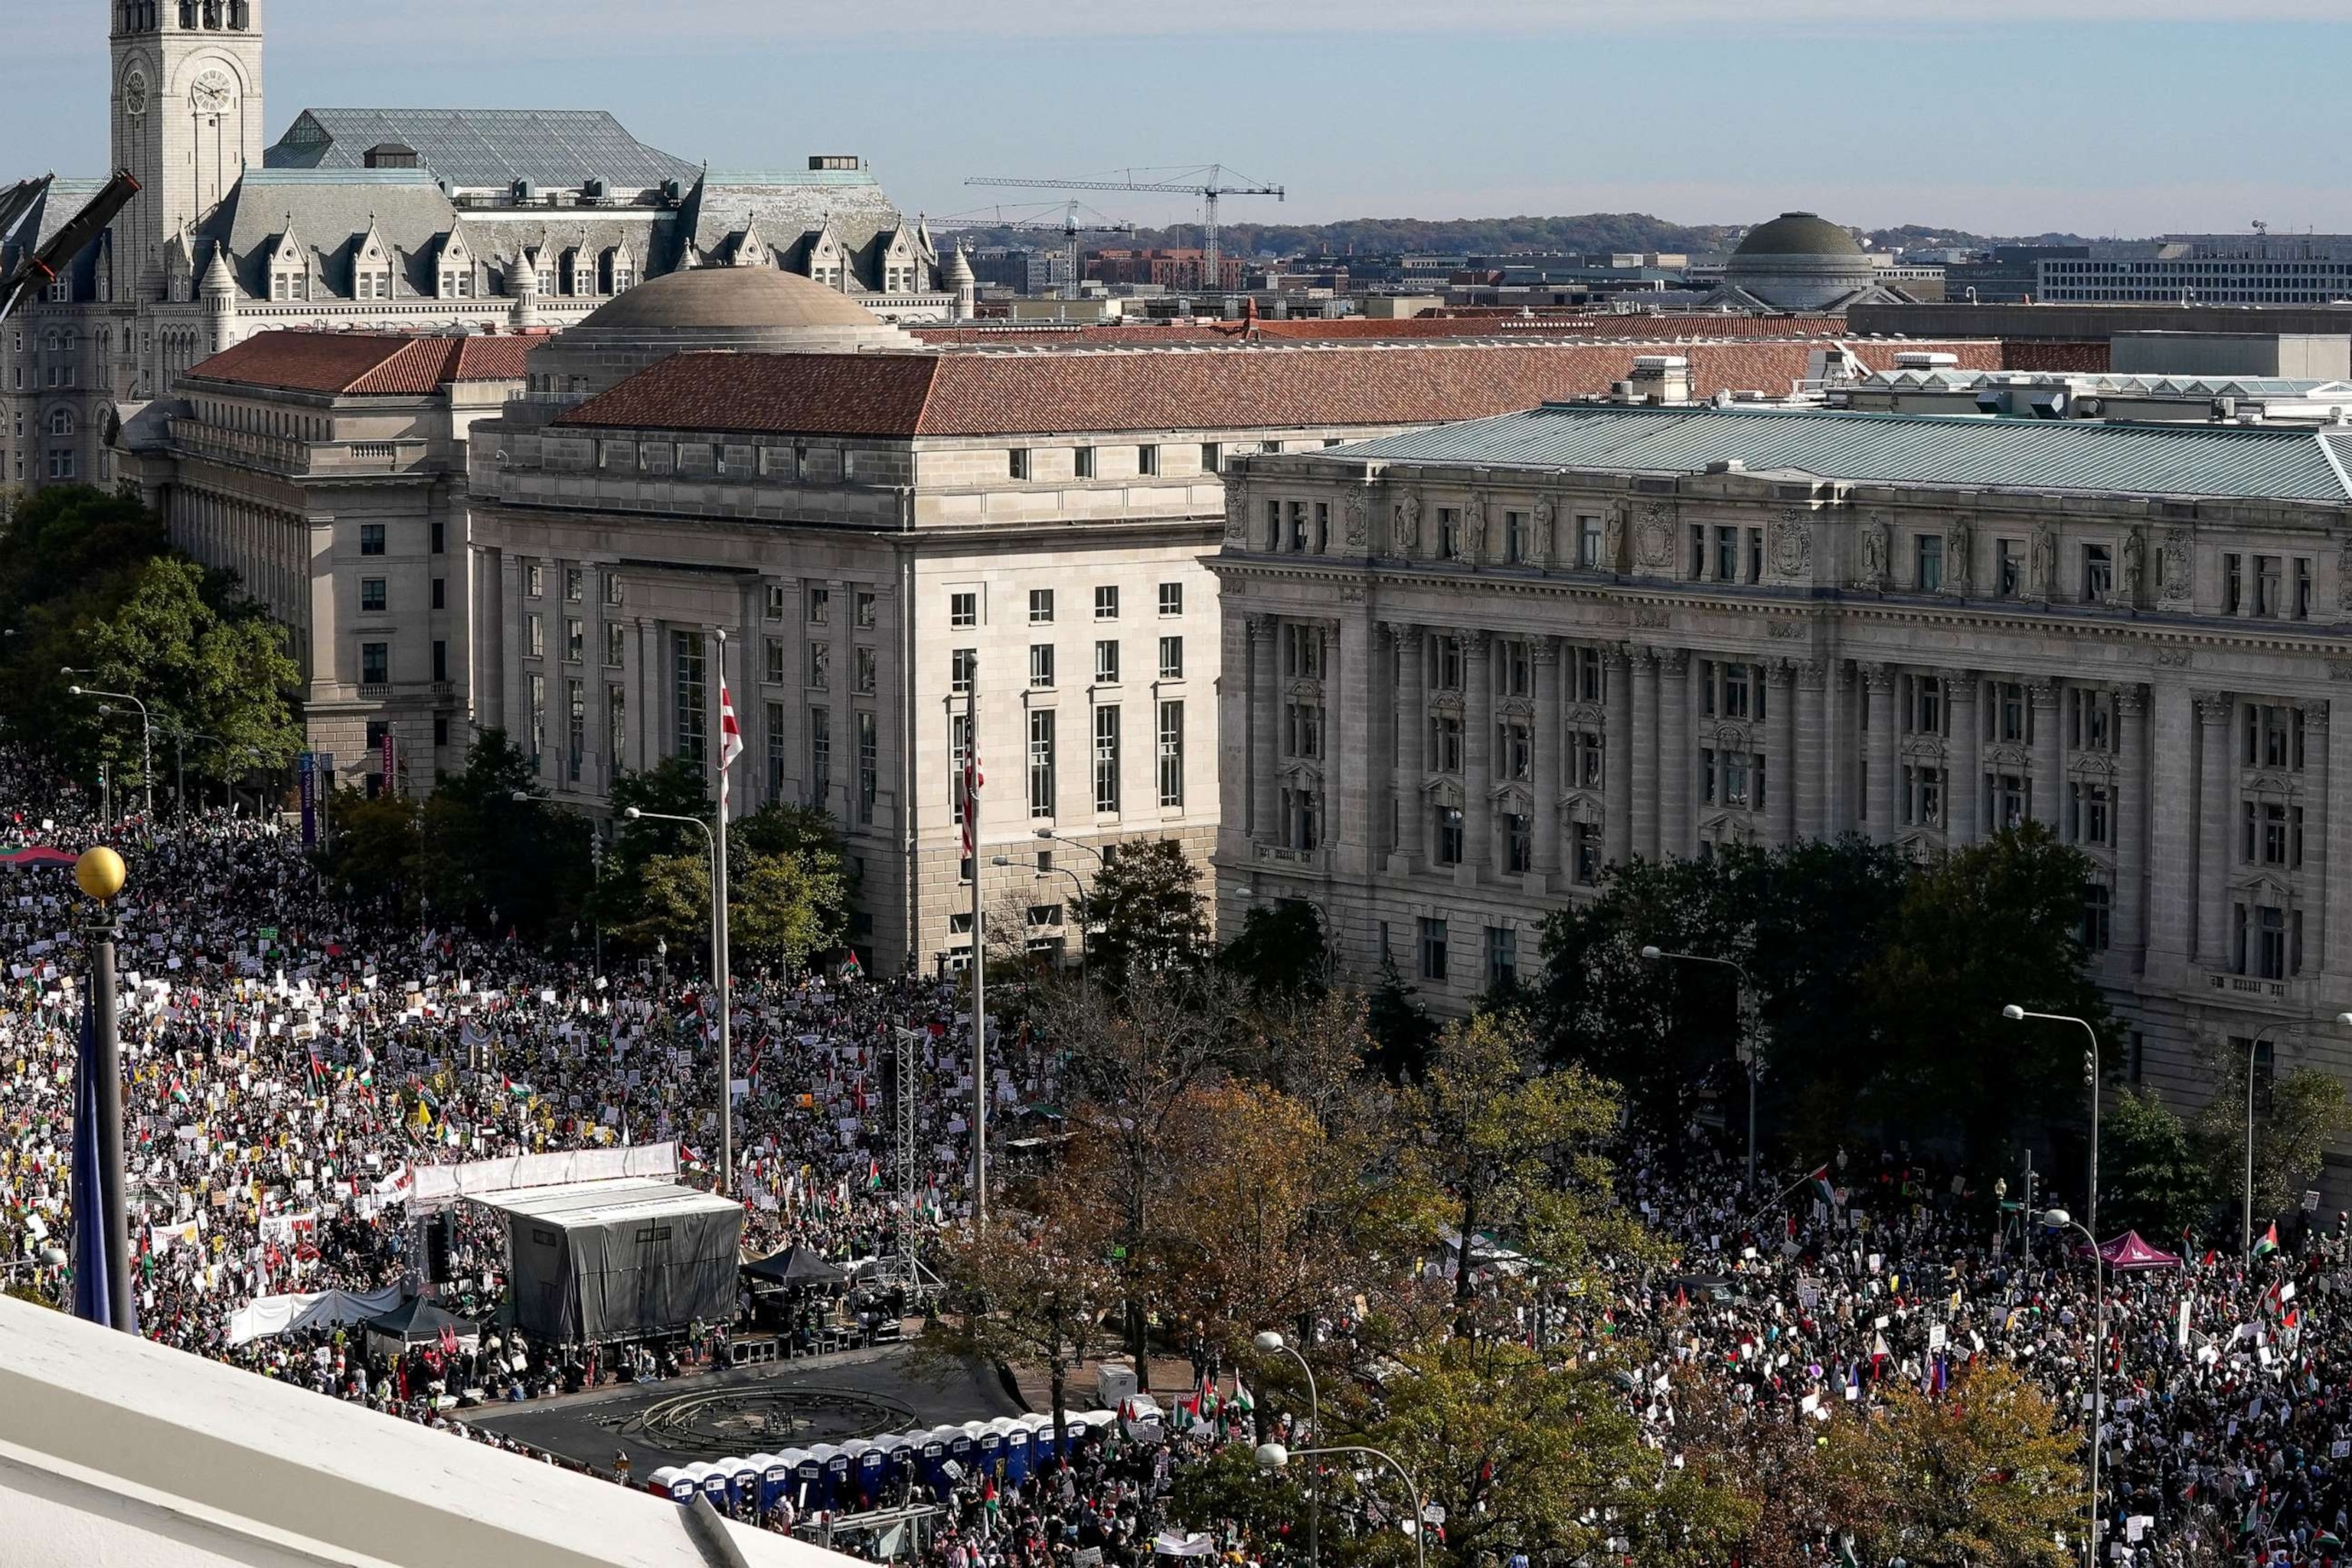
2101,116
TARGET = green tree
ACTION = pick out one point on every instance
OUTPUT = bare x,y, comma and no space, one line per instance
2153,1176
2298,1117
1991,925
490,860
1400,1030
1507,1147
1281,951
1146,912
372,860
780,909
62,540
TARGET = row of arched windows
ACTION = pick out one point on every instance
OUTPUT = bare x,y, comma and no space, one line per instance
212,15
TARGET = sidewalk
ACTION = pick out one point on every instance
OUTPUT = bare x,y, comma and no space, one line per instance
1170,1375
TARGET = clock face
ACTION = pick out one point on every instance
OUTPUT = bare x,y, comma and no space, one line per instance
135,94
212,92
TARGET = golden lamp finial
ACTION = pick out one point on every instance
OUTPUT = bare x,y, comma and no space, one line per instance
100,873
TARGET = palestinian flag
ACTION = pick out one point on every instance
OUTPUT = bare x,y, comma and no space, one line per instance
520,1091
2269,1242
873,1176
1820,1184
318,1067
1241,1403
367,1067
1204,1404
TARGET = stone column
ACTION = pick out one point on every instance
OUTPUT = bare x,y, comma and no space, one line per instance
1477,755
1964,790
1617,744
1265,730
1781,766
1413,748
517,646
2319,921
1838,750
1351,822
2129,808
2217,819
2171,817
1880,681
1677,674
1802,776
1646,753
492,640
1551,755
2049,757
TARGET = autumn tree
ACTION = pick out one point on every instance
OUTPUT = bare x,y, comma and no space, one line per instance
2298,1116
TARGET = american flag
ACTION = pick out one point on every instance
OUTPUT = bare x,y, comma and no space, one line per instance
731,741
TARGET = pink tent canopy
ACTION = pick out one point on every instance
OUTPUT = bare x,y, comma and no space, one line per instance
2128,1252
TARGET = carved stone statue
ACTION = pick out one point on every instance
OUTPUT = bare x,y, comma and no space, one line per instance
1236,518
1612,539
2134,566
2045,561
1873,554
2174,584
1474,527
1544,543
1960,551
1353,508
1408,524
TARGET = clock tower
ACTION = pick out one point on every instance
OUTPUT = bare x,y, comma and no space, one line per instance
187,118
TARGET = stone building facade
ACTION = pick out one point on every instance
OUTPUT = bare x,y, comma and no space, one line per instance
377,219
328,471
1556,640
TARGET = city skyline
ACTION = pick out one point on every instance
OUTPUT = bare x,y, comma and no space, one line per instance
1603,111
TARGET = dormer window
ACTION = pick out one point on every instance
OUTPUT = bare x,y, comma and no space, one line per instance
289,286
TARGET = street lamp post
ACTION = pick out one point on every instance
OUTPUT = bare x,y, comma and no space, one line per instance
1274,1456
1744,1001
719,970
2254,1047
2059,1219
146,735
2017,1014
1006,861
100,874
1268,1343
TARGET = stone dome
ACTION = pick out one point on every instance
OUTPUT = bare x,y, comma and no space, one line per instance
735,298
1798,234
741,310
1800,262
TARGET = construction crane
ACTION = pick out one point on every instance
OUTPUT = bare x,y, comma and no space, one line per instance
1069,227
1209,184
39,267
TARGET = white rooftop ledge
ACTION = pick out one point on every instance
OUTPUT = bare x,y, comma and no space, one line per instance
118,1452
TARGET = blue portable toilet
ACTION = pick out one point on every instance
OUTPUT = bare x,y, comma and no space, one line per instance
901,1456
867,1463
775,1479
837,1466
808,1479
1016,1433
743,1481
672,1482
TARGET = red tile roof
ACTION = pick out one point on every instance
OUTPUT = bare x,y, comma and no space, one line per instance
970,393
1504,324
362,364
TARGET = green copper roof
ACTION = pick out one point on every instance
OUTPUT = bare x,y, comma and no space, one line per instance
2221,461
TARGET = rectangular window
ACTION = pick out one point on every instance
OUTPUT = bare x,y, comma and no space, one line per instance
1107,662
1433,951
1213,458
1588,543
1147,462
690,680
1086,462
1302,651
820,606
2233,583
1449,664
869,671
776,661
371,595
869,765
537,691
1171,598
1445,742
1040,606
2267,585
375,663
576,584
440,660
1171,754
1449,533
1518,749
1518,842
820,665
2098,574
1106,603
1041,665
615,645
864,612
1449,836
2301,608
1041,762
2009,567
2098,912
1727,555
820,757
777,596
963,609
962,664
440,593
1514,538
534,628
575,729
575,641
438,541
371,539
612,589
1302,729
1016,464
1928,562
1585,842
1107,760
534,581
1502,958
1172,658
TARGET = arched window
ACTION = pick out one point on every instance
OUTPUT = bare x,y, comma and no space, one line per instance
61,422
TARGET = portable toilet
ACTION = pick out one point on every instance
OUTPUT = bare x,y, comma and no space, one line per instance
775,1479
808,1479
672,1482
796,1485
987,1439
837,1466
902,1456
743,1481
962,1447
866,1462
931,1459
718,1479
1015,1434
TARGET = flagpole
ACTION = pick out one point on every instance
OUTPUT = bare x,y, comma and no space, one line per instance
99,874
718,933
979,959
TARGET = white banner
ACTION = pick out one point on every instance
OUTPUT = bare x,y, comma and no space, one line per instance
438,1186
272,1315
